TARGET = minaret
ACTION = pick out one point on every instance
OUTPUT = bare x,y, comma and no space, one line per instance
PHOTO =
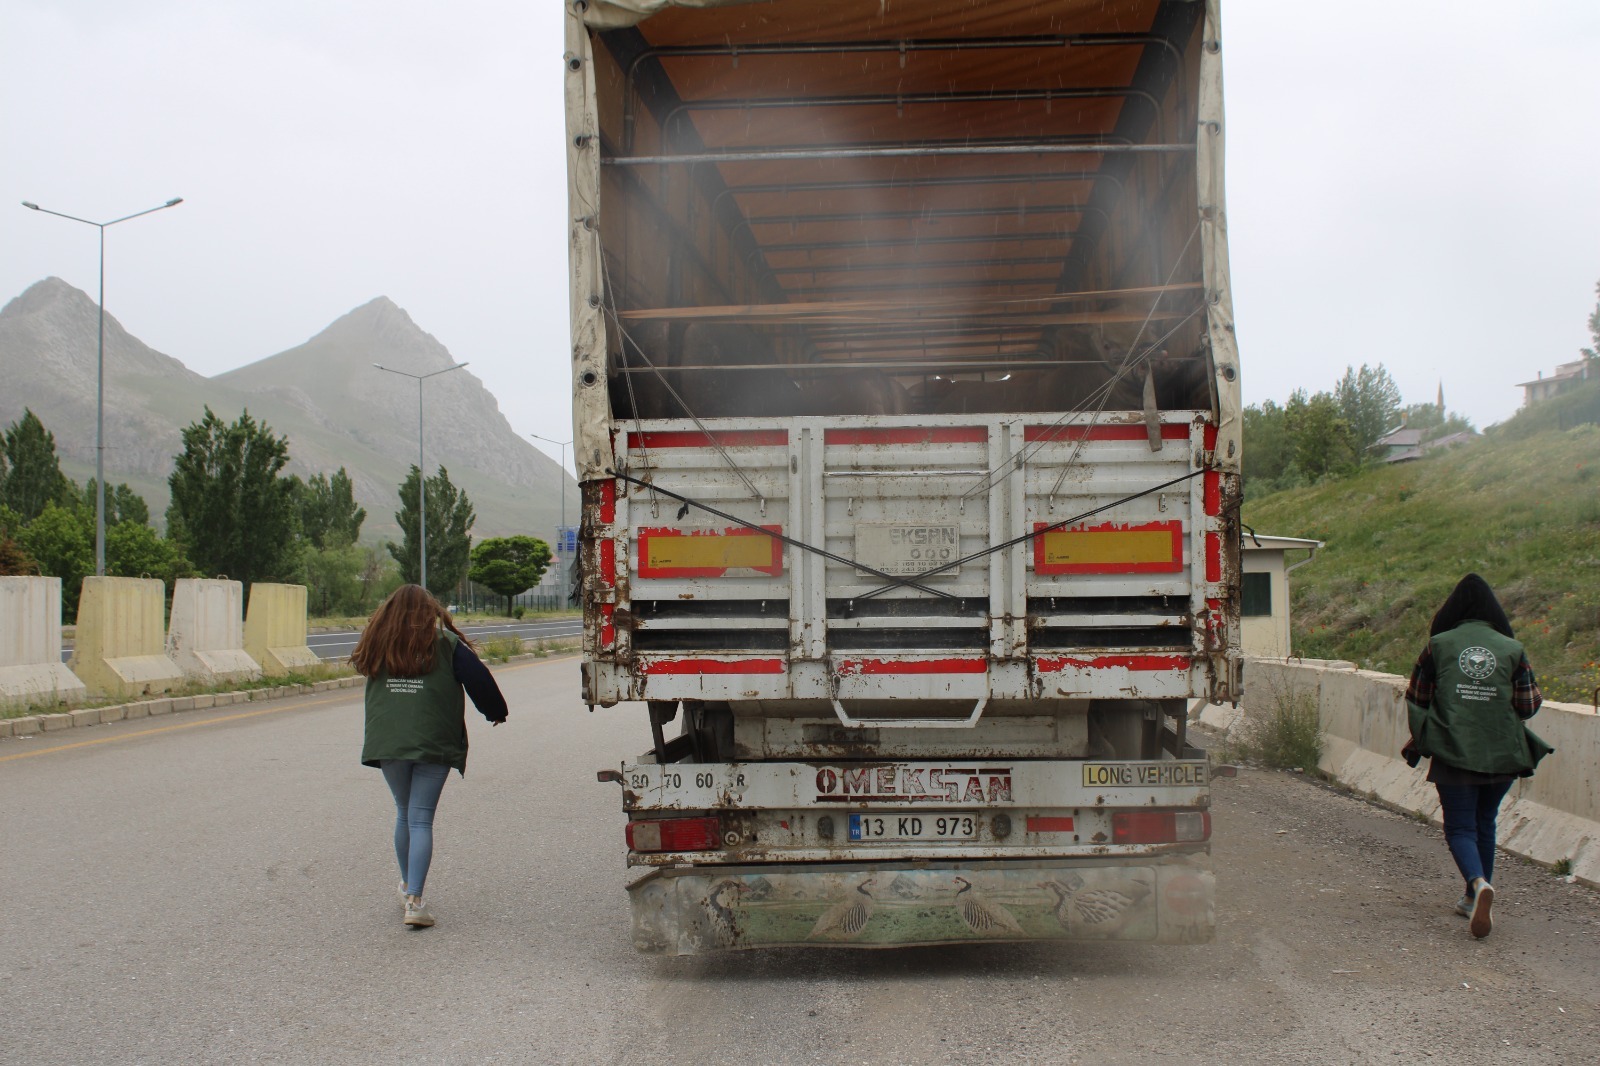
1441,397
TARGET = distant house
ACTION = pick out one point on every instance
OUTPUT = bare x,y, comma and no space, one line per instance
1565,377
1399,444
1264,604
1402,443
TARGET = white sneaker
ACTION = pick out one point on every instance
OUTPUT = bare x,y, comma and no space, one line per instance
402,891
417,913
1463,905
1482,903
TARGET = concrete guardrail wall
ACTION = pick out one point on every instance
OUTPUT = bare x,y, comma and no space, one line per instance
275,629
31,670
205,634
1551,817
120,648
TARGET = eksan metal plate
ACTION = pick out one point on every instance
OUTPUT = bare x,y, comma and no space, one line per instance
910,548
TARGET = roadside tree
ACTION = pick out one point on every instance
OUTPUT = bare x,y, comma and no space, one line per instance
509,565
232,511
122,504
1369,403
329,515
450,519
1323,443
33,477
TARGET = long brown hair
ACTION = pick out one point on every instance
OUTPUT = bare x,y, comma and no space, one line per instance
401,634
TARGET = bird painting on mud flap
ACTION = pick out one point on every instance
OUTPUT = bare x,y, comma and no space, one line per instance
846,919
1099,911
982,916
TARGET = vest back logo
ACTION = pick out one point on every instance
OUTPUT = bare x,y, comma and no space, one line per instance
1477,662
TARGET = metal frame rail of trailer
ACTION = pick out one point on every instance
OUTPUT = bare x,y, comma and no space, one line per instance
906,407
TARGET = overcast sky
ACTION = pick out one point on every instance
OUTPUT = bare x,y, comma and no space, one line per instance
1410,182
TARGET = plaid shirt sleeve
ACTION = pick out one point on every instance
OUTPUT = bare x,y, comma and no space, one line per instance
1526,698
1420,691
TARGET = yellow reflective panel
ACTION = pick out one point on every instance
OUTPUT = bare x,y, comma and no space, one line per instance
674,554
1153,548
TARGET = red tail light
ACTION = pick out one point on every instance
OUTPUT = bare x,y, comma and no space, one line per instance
676,834
1160,827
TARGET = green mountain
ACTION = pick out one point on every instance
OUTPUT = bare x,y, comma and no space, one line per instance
324,395
1520,506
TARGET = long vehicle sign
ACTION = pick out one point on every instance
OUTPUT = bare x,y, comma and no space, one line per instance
917,785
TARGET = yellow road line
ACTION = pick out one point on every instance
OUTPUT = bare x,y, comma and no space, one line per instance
214,721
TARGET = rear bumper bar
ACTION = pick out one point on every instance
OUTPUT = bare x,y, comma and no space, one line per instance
1169,900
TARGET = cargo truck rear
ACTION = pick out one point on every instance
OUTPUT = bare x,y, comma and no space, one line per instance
906,409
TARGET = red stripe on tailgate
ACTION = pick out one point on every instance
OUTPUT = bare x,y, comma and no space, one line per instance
923,666
908,435
1213,557
1213,492
693,438
1038,824
715,666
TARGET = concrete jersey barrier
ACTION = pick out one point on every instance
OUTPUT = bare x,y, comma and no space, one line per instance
120,647
275,629
205,635
1551,817
31,670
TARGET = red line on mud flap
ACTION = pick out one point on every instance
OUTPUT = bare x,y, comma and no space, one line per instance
714,666
908,435
608,562
693,438
1213,557
1040,824
608,628
608,501
1169,431
1053,663
846,667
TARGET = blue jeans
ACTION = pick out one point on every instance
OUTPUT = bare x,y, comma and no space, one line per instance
416,787
1469,816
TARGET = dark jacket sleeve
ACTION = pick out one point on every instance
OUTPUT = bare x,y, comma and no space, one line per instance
479,683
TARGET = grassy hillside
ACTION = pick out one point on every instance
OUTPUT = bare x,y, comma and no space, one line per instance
1520,506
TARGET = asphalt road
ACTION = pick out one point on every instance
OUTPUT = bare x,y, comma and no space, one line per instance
218,887
339,644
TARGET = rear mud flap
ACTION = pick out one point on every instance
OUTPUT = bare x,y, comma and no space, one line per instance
687,912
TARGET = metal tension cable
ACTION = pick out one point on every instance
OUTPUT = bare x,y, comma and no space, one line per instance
897,582
687,502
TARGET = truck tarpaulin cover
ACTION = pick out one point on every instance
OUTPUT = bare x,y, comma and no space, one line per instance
875,187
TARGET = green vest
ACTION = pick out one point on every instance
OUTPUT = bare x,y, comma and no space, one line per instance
421,718
1471,724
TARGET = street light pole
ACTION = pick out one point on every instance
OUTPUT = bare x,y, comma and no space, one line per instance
100,378
562,483
422,469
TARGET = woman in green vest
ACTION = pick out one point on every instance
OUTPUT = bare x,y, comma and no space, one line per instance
1470,692
417,664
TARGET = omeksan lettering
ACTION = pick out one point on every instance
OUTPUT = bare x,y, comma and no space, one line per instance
936,785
